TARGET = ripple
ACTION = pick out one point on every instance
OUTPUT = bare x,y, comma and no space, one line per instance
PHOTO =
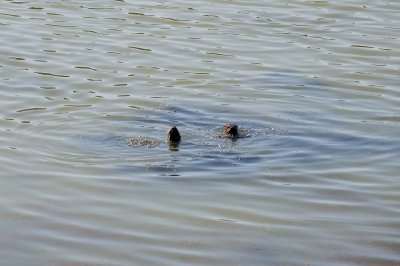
78,105
140,48
52,74
88,68
31,109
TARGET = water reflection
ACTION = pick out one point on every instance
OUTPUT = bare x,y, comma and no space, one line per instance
173,146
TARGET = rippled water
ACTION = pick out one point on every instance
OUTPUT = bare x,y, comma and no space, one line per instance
315,83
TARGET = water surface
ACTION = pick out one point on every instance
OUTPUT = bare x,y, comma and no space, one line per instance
315,82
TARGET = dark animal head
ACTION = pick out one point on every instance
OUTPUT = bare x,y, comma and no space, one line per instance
173,135
231,130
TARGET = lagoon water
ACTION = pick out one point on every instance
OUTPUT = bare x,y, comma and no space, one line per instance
316,83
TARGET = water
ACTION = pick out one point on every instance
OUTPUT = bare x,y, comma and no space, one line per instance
314,82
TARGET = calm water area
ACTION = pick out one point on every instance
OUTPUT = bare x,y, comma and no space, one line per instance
316,85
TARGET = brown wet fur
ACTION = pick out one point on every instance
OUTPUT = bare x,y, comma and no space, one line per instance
173,135
231,130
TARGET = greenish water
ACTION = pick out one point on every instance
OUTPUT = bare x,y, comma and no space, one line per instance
316,83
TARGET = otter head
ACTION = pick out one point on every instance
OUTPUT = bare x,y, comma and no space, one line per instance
173,135
231,130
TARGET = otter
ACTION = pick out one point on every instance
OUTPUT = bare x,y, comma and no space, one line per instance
173,135
173,139
231,131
